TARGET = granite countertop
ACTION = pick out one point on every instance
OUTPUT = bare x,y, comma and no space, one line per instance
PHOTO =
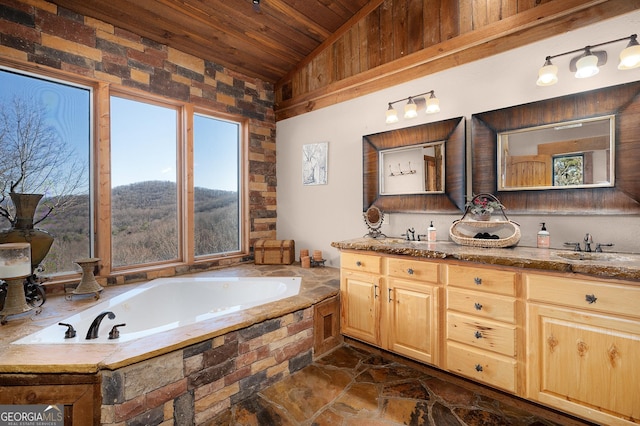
317,284
606,265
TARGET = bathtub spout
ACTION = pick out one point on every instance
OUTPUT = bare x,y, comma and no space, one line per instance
93,329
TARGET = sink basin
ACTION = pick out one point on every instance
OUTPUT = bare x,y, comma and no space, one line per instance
593,256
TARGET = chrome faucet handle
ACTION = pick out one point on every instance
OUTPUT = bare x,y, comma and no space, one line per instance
600,245
576,246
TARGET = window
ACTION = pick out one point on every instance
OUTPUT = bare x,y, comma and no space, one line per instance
144,197
148,221
45,125
216,185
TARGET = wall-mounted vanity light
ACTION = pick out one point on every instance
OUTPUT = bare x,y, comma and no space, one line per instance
587,64
432,105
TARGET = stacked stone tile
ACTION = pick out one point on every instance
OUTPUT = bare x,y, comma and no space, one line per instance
194,385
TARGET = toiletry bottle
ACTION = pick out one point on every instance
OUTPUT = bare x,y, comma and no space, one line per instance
544,240
431,233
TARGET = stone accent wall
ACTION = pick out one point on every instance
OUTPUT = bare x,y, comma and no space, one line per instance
196,384
40,33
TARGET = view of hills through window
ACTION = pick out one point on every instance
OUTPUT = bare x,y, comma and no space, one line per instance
146,177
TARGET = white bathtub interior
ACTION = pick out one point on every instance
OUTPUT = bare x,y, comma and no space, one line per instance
167,303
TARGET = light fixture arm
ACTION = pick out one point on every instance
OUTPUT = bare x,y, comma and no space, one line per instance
631,38
430,92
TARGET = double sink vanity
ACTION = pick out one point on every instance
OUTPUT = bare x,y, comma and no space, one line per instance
557,327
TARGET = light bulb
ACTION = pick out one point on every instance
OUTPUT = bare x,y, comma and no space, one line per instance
630,56
433,104
410,109
587,66
548,74
392,115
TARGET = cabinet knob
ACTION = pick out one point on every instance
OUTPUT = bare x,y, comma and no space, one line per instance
389,295
477,280
478,335
358,263
590,298
410,271
478,306
478,368
375,291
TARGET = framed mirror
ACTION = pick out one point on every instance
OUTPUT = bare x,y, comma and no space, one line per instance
416,169
612,192
564,155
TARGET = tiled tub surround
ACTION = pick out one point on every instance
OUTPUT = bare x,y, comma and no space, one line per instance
189,374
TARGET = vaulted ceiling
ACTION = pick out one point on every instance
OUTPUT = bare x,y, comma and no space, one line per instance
264,40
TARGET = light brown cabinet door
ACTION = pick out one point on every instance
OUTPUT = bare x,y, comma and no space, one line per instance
411,319
360,307
584,363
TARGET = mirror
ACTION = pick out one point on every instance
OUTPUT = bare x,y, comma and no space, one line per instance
390,152
373,217
570,154
620,196
413,169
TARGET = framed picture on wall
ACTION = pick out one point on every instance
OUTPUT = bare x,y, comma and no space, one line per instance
314,163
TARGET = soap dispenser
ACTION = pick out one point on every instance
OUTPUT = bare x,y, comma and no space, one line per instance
431,233
544,239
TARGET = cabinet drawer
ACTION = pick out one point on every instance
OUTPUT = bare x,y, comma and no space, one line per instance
493,369
412,269
484,305
482,333
361,262
591,295
484,279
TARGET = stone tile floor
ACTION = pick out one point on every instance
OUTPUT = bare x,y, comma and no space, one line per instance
353,387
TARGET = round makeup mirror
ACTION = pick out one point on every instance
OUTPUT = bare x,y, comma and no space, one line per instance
373,217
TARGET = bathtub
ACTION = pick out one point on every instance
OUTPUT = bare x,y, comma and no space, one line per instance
168,303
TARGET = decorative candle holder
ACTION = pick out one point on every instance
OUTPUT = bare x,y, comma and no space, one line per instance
15,266
88,283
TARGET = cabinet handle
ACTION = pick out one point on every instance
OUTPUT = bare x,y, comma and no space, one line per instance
477,280
375,291
389,295
410,271
590,298
478,335
478,306
358,263
478,368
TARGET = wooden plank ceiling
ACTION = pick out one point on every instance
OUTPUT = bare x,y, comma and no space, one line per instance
265,40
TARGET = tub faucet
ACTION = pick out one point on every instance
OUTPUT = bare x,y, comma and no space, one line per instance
93,329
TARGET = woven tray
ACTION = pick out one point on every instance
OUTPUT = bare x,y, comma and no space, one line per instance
505,232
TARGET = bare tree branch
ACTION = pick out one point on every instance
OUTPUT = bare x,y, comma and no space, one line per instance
35,159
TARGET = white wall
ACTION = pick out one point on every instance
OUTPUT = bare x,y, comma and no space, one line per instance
314,216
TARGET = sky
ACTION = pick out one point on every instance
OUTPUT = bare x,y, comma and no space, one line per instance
143,136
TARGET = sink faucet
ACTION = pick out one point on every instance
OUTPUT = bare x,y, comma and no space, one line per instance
411,234
588,240
93,329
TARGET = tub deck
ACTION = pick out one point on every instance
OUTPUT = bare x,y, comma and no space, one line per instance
317,284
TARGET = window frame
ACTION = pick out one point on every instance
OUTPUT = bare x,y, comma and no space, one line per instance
243,183
100,178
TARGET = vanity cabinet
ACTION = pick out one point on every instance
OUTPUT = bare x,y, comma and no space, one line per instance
584,346
391,303
482,334
569,341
